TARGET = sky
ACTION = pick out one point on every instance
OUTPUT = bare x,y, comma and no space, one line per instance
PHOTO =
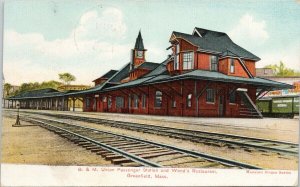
87,38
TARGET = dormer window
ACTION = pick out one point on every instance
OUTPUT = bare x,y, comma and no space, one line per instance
188,60
213,63
231,65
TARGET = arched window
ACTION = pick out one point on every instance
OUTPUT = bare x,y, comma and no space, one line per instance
158,99
189,100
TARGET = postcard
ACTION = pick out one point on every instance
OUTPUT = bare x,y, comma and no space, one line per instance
150,93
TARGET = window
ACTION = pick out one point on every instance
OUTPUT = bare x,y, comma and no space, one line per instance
176,62
135,101
177,49
109,102
188,60
232,96
210,95
213,63
189,100
88,102
158,99
144,101
231,65
104,99
176,58
129,101
119,102
173,103
95,104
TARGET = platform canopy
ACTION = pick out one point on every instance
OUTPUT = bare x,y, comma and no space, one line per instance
260,83
35,94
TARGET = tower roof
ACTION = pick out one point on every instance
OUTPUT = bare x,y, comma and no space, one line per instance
139,45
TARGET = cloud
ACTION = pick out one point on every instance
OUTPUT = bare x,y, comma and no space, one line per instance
289,56
108,25
87,52
249,31
92,48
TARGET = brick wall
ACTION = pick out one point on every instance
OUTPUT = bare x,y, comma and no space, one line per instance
178,91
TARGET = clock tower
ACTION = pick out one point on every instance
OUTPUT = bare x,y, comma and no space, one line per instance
138,53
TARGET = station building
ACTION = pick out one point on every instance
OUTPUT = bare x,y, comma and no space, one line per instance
206,74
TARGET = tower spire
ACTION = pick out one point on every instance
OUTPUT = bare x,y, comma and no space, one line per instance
139,45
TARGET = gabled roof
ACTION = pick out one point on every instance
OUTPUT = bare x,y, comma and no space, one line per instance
115,78
139,45
216,42
160,69
107,75
121,74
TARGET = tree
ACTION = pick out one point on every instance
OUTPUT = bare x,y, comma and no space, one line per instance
281,70
66,77
50,84
7,88
36,85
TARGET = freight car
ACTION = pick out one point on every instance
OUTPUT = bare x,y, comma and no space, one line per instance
280,106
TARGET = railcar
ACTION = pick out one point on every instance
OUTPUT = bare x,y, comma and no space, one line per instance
279,106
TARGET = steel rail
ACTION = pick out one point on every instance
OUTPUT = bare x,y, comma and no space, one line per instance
181,150
99,120
113,149
188,133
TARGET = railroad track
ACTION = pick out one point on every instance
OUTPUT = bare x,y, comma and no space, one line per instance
133,152
208,138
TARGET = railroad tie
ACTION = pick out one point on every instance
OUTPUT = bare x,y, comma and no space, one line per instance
88,145
77,141
147,156
152,151
113,156
101,152
121,160
134,147
136,151
84,143
122,143
131,164
96,149
91,147
131,146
